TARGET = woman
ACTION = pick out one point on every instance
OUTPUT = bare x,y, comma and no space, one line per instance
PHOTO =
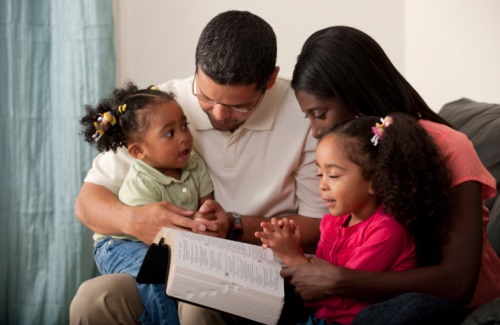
341,73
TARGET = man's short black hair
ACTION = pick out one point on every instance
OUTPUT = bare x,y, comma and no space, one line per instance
237,48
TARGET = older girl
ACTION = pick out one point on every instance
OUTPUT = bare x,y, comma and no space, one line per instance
381,203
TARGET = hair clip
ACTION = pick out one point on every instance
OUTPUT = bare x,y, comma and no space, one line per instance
102,124
122,108
154,88
378,129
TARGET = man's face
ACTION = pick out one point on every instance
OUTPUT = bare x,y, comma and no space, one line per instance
227,106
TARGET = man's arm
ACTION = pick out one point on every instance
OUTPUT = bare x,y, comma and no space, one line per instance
218,223
100,210
454,278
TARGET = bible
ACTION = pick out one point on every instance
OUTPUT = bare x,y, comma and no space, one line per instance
233,277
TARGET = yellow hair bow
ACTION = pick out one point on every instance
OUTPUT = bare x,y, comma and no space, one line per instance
122,108
102,124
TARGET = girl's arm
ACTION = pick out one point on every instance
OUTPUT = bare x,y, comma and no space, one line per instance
218,221
283,237
454,278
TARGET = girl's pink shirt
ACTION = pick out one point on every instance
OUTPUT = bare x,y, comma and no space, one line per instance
379,243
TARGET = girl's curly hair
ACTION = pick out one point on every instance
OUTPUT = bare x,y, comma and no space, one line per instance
408,174
130,123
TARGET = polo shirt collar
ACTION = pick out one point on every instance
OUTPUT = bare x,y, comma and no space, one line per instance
158,176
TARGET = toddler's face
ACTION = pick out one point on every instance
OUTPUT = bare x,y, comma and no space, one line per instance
167,141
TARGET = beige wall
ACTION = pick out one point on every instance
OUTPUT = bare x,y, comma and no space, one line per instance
446,48
453,49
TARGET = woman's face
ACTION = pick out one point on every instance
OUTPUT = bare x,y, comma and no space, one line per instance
322,113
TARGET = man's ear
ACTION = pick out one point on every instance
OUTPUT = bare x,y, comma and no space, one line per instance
136,151
272,79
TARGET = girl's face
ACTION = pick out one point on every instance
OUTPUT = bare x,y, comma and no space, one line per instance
322,113
167,142
342,185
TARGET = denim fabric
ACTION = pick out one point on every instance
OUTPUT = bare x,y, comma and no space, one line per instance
412,309
313,320
122,256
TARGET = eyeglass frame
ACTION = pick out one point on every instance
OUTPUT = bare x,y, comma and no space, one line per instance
234,108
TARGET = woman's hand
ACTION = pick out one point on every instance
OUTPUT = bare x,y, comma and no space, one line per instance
315,280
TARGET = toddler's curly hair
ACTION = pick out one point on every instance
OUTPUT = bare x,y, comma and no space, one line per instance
130,123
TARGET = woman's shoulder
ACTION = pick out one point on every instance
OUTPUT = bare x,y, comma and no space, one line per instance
460,156
442,131
449,141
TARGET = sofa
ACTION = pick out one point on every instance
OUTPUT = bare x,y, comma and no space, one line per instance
481,123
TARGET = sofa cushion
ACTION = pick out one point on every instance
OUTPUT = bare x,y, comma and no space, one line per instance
481,123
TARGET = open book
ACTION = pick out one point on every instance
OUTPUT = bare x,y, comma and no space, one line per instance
233,277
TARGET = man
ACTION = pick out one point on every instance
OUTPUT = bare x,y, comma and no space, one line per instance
247,126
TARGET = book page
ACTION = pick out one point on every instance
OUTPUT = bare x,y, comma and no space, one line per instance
248,265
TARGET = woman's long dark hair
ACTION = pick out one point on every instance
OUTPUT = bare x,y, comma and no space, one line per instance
345,63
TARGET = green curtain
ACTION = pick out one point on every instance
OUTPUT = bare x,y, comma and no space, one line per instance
55,57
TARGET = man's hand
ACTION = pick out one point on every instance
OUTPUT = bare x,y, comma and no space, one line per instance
316,280
101,211
216,221
150,218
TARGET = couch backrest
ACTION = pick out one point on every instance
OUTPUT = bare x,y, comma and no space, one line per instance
481,123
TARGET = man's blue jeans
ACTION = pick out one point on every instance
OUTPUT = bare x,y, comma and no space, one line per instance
122,256
412,309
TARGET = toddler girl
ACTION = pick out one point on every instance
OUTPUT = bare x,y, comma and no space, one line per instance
151,125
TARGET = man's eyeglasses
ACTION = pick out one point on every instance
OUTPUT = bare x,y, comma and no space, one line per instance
237,108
